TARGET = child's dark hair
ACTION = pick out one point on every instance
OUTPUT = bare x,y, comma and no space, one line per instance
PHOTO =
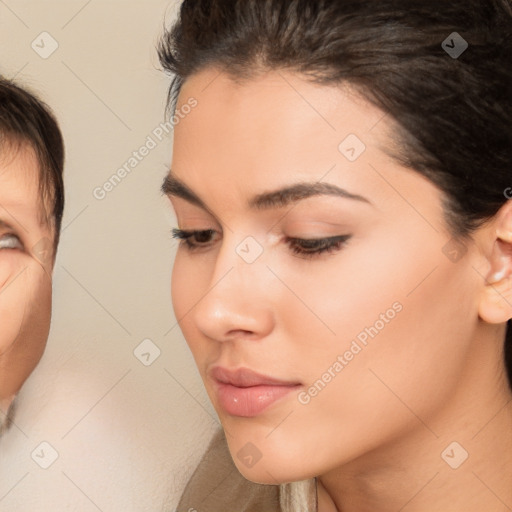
24,119
453,112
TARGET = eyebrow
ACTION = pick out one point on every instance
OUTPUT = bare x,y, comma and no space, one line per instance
279,198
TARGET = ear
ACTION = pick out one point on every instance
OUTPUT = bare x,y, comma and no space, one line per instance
496,299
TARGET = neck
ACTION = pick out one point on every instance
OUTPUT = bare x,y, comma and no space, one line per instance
423,470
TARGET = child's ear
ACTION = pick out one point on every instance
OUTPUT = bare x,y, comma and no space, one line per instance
496,298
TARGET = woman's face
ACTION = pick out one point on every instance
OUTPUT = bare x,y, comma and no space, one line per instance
354,347
26,260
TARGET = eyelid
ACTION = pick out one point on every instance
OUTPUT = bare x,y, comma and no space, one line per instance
305,248
309,248
192,214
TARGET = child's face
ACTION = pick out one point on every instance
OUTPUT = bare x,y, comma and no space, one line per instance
26,261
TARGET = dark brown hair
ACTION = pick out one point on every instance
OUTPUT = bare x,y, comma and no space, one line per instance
24,119
453,113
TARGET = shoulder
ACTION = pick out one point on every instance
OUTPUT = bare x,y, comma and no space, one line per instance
217,485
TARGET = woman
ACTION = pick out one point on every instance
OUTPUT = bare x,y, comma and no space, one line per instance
342,191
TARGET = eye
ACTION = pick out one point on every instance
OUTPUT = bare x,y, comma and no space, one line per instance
303,247
10,241
193,239
309,248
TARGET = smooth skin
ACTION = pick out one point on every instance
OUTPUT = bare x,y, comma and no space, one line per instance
433,375
26,262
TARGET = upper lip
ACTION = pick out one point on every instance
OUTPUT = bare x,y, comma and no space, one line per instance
245,378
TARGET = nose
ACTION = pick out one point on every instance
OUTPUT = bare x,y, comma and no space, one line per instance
238,300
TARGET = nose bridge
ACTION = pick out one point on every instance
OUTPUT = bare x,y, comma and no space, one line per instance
241,262
236,299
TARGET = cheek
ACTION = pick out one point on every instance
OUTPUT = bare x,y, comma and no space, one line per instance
327,304
10,267
357,293
25,311
403,330
13,297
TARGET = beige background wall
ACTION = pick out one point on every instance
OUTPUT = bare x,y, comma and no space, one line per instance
127,435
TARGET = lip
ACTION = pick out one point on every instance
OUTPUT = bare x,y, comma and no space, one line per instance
245,393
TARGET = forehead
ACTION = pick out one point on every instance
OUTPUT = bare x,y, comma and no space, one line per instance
276,113
271,128
269,92
19,184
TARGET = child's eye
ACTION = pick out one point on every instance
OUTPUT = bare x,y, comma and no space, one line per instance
307,248
10,241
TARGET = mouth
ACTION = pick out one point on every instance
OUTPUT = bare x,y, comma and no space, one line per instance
245,393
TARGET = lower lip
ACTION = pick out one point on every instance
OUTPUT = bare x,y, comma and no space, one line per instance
251,401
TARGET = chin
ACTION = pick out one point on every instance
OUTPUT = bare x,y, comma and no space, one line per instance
272,473
273,468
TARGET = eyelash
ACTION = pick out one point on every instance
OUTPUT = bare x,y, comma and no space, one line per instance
302,247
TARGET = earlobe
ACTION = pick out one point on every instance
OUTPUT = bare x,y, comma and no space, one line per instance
496,300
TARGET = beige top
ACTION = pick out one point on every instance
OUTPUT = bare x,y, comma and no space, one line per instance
217,486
